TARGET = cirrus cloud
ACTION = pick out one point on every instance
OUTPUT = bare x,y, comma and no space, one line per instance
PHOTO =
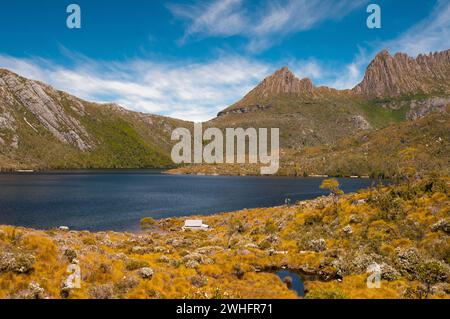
190,91
263,24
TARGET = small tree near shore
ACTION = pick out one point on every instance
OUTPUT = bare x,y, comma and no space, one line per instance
332,185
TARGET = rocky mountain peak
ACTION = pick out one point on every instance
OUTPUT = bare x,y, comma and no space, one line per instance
383,54
401,74
283,72
283,81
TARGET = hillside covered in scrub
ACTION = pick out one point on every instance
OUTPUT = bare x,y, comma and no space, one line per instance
322,130
43,128
422,144
401,104
331,241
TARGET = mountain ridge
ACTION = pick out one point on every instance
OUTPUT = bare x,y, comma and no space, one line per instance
41,127
401,74
386,76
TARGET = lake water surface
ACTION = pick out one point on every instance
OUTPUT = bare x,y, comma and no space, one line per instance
296,281
117,200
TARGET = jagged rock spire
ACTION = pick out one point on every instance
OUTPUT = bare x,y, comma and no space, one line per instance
401,74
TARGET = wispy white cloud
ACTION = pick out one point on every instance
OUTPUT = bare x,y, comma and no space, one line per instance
263,24
192,91
308,69
430,34
348,75
198,90
223,18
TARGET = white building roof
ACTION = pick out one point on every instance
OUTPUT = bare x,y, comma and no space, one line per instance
193,223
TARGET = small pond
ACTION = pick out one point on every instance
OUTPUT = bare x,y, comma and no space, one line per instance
294,282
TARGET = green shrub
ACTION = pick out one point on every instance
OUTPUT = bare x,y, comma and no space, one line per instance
270,227
389,204
238,272
147,222
135,264
265,244
430,273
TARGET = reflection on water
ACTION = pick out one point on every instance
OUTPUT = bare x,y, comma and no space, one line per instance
117,200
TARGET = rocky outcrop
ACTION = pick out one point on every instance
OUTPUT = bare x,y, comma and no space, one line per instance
245,109
386,76
146,273
360,122
7,121
391,76
283,81
42,102
419,109
441,225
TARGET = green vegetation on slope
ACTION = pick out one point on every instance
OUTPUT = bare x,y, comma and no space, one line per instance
381,117
119,144
379,153
376,153
303,121
42,128
118,138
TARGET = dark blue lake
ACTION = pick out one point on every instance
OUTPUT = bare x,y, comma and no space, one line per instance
117,200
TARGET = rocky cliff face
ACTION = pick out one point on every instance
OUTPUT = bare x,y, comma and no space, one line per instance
41,103
399,77
395,88
392,76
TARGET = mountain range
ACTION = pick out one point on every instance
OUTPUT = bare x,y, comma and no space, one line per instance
394,89
43,128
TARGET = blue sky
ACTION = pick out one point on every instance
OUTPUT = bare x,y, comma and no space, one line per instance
190,59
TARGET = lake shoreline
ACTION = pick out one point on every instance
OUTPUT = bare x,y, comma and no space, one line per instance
118,199
182,218
252,170
174,172
168,171
329,238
